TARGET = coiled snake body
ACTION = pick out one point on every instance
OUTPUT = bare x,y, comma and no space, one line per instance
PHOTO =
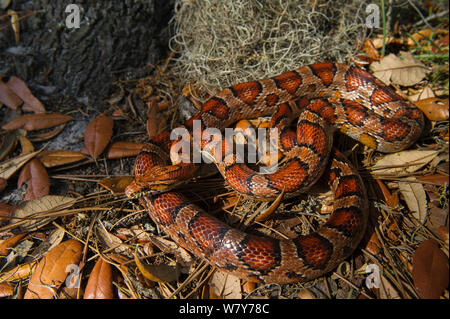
325,97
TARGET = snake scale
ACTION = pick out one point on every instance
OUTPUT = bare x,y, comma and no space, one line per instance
324,97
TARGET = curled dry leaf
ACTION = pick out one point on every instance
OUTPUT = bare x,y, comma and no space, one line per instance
404,70
158,272
399,163
390,199
27,146
19,272
7,244
373,245
9,167
225,285
98,134
15,24
44,136
156,122
41,211
182,256
99,285
8,97
415,198
272,208
32,122
423,93
9,142
111,241
19,87
124,149
430,270
116,184
59,157
35,176
435,109
53,269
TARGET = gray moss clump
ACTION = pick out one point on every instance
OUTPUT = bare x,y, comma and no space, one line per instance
223,42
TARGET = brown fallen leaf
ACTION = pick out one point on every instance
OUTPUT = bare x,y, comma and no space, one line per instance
19,272
35,176
373,245
120,262
109,240
59,157
9,167
415,198
116,184
397,164
248,287
435,109
430,270
8,97
3,184
158,272
31,122
263,216
435,179
225,285
436,218
442,44
182,256
19,87
52,270
97,135
124,149
390,199
7,244
15,24
6,290
27,146
41,211
423,93
156,122
99,285
5,211
9,142
405,71
70,293
425,34
306,294
371,51
44,136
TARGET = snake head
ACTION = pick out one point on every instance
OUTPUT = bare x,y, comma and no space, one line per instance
159,179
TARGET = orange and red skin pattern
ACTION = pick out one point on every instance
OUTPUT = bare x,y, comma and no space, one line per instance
325,97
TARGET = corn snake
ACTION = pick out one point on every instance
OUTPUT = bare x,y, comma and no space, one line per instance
325,97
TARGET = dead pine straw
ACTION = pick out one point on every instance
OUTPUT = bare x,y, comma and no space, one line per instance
219,43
